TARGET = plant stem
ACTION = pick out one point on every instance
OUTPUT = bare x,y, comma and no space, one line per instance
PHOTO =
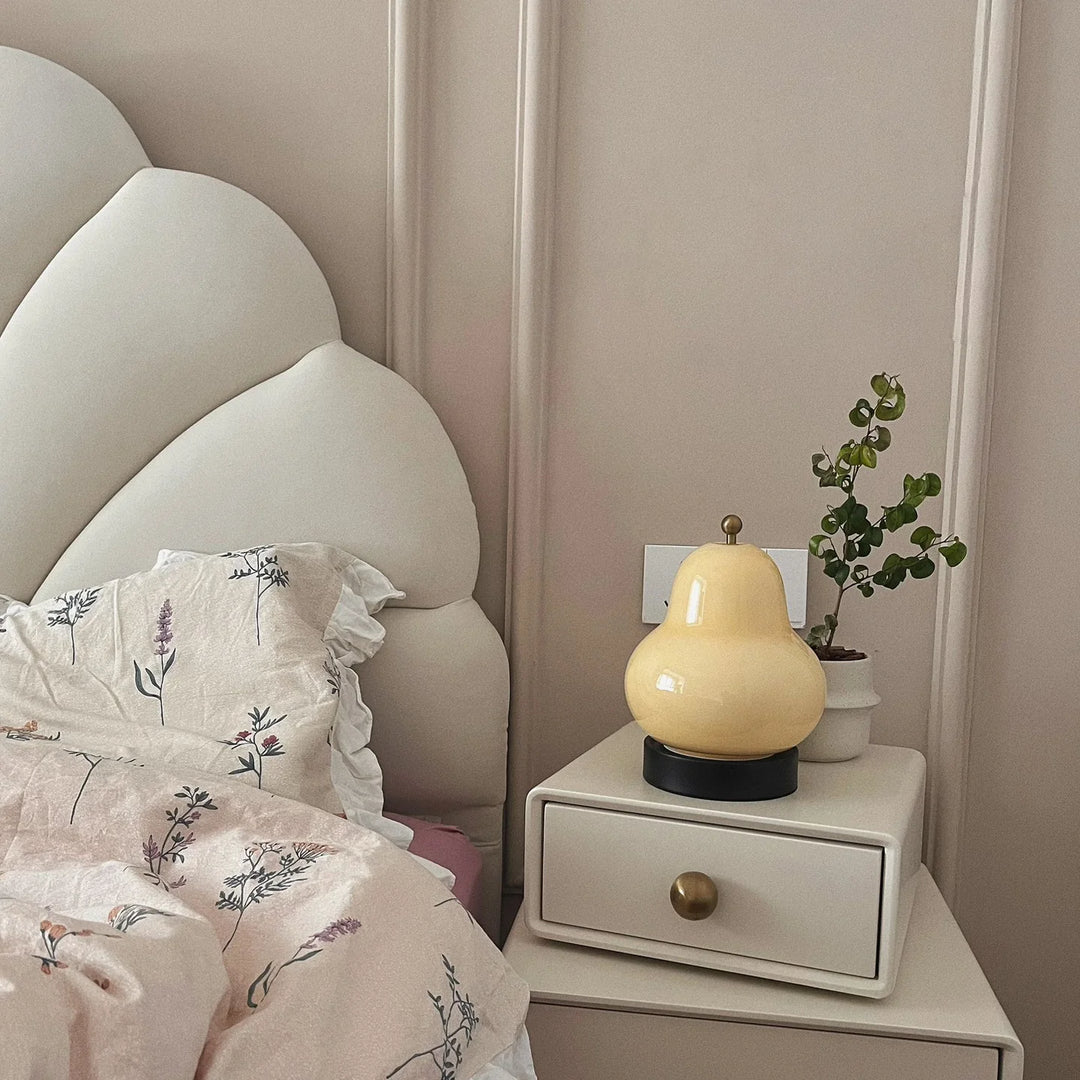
234,929
161,688
239,916
836,612
74,805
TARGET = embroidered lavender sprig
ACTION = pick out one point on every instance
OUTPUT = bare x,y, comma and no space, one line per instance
266,572
459,1021
257,881
314,945
259,748
162,640
176,840
73,606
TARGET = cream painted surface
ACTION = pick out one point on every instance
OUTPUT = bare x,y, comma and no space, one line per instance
570,1043
789,899
1020,874
758,207
286,100
468,200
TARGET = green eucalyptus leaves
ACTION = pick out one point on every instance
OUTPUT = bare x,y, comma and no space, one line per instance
848,534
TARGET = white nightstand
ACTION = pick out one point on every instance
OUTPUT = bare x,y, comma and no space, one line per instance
599,1013
814,888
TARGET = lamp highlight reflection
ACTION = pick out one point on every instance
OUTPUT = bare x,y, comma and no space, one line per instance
669,683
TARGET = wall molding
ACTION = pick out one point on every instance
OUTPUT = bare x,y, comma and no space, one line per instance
534,212
410,28
406,108
968,446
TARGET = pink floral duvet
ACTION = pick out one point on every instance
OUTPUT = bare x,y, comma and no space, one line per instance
164,923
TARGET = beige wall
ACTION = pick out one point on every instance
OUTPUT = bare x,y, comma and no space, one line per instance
286,100
1019,886
757,208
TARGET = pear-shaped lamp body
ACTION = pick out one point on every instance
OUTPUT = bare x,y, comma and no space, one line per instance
724,674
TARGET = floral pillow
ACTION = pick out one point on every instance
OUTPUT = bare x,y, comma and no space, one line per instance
235,663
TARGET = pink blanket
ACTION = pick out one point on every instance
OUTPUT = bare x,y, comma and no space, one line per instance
170,923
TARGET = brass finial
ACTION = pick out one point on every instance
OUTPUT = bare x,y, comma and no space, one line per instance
731,526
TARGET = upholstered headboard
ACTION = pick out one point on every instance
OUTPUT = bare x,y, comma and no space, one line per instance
172,375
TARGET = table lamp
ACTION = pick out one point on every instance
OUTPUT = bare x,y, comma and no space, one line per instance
724,688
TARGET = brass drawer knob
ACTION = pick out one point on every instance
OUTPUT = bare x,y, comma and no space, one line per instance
693,895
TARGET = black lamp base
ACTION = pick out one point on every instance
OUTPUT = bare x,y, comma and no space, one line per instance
712,778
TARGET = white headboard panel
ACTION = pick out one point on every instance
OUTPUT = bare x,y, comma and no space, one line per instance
74,152
337,446
173,377
180,293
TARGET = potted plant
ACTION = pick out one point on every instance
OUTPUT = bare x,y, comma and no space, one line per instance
849,535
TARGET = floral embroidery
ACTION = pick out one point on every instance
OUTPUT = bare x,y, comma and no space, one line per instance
51,936
459,1021
266,572
94,761
257,880
455,900
305,951
175,843
334,673
124,916
162,639
268,746
27,732
73,606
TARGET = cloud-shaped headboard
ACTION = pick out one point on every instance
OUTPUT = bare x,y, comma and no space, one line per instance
172,375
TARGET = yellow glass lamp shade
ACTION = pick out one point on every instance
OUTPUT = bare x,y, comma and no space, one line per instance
724,674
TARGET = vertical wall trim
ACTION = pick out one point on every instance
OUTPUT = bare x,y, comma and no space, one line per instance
534,209
968,445
407,103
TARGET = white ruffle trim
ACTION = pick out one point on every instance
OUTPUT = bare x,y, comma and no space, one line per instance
352,634
354,769
357,777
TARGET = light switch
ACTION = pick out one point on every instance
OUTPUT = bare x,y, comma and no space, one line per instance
662,562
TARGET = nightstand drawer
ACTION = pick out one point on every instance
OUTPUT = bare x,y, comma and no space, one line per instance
569,1044
782,898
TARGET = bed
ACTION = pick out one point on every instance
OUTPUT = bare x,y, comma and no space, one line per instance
179,409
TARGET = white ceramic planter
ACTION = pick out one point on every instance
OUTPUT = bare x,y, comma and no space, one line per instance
843,732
